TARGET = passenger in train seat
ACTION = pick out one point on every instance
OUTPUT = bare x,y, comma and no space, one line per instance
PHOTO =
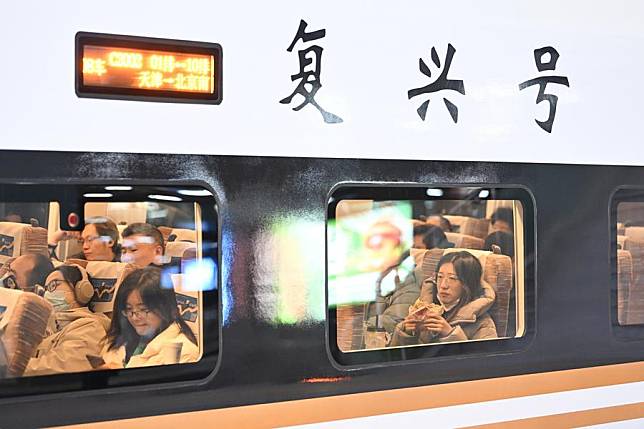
439,221
430,237
78,332
394,306
26,272
391,308
100,239
451,307
146,328
503,220
502,239
143,245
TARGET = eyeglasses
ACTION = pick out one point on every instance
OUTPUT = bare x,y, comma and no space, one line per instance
53,285
450,279
139,314
88,240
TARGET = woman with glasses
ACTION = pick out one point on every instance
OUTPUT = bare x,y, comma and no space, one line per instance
146,326
79,332
452,306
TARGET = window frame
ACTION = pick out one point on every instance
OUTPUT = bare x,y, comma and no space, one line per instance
415,191
163,376
622,194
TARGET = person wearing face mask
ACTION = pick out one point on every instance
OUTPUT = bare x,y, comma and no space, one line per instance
143,245
26,272
147,328
79,332
453,306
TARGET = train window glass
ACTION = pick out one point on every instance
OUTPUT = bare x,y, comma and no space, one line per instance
413,267
30,213
112,283
628,263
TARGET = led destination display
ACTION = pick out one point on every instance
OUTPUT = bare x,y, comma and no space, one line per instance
144,69
147,69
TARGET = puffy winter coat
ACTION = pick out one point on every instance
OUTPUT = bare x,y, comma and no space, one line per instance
397,303
470,322
80,332
154,353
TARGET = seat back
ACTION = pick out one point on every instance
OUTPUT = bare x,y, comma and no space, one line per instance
463,241
497,271
188,304
349,326
18,239
23,323
634,232
624,284
175,251
105,277
634,297
470,225
182,234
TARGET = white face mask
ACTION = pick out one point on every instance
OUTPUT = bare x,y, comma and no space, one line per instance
57,300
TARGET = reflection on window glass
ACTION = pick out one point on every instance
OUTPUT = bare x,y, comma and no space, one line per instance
414,272
630,263
31,213
124,292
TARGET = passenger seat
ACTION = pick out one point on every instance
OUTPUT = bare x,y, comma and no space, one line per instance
18,239
497,271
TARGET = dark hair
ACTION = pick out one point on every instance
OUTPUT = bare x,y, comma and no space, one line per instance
433,236
70,273
161,301
106,228
146,230
502,239
468,270
41,270
446,225
503,214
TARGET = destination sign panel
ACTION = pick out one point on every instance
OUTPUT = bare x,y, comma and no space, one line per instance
146,69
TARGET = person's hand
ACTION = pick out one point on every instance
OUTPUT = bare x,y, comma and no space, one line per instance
410,325
437,325
63,235
108,366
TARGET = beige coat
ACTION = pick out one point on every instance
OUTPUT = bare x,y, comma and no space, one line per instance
81,332
154,353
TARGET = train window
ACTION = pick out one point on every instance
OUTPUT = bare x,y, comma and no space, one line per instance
31,213
117,286
422,271
627,225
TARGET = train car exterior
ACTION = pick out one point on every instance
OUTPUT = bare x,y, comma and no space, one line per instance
426,108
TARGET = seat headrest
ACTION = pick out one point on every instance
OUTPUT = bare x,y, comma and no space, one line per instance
184,234
18,239
106,277
634,233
